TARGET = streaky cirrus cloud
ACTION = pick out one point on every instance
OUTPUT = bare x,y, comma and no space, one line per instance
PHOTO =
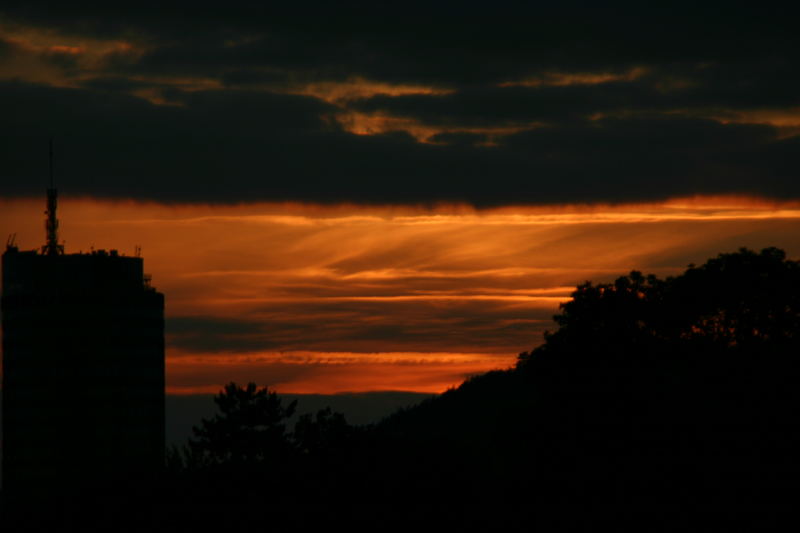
320,298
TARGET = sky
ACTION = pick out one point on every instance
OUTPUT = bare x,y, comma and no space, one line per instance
351,198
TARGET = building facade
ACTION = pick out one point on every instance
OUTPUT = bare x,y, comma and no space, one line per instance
83,369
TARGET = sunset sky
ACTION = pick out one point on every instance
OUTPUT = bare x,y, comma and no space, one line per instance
351,199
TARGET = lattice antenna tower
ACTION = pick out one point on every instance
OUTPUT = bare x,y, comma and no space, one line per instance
52,247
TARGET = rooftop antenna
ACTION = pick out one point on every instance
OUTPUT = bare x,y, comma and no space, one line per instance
52,247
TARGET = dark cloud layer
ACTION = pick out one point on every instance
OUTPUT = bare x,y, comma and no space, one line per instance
415,326
694,90
460,102
445,41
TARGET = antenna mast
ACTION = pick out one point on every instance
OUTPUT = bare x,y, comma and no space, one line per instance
52,247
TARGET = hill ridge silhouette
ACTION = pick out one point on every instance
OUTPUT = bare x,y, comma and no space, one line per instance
657,404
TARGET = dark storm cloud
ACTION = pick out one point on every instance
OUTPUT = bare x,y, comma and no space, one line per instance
235,146
440,41
117,84
198,108
248,77
460,138
489,105
691,89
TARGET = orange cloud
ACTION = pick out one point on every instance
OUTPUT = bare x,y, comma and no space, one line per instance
71,50
352,298
35,46
563,79
339,92
330,372
378,123
786,120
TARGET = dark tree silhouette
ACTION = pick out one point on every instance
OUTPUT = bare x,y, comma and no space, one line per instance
744,300
653,399
652,396
687,385
321,433
250,429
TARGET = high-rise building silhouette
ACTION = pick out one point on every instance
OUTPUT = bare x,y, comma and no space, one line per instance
83,366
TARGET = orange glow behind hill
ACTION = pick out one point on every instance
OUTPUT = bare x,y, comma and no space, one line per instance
323,299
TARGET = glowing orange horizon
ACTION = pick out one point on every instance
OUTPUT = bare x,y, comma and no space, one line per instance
346,298
343,372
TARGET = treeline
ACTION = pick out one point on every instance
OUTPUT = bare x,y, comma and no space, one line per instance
656,405
655,401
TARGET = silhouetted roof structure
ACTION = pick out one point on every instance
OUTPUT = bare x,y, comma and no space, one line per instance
83,367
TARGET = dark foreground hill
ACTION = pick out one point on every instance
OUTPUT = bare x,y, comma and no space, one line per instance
657,405
654,401
361,408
